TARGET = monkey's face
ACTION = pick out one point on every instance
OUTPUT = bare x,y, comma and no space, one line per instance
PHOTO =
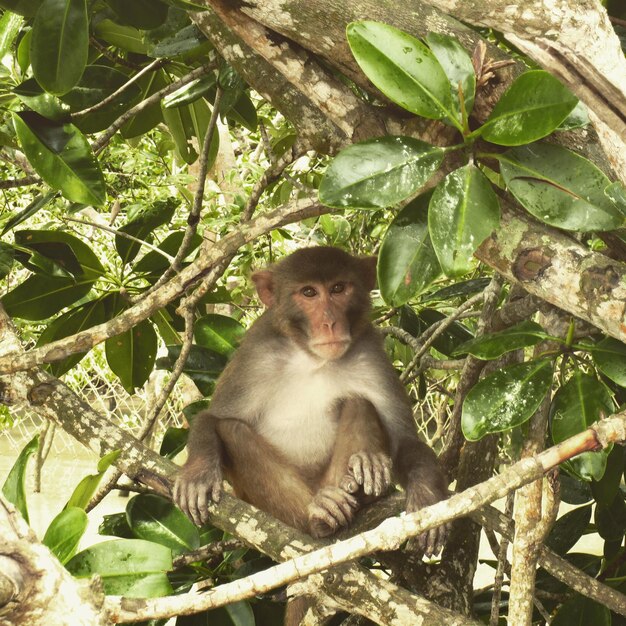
323,307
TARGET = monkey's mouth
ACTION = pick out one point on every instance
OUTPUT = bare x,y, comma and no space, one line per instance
330,350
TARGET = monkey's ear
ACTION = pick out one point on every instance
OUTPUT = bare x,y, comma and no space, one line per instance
264,283
368,271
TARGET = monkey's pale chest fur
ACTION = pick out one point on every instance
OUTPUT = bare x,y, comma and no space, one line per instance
301,408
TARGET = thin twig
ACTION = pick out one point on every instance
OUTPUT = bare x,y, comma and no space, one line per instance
19,182
96,107
116,58
501,553
205,552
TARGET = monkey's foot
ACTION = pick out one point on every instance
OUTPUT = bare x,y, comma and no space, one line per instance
370,470
330,509
432,541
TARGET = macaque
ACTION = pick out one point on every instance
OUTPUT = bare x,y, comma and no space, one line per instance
309,418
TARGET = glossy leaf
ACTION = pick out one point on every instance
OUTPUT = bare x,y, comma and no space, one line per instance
378,172
609,355
576,119
62,156
186,40
179,124
60,44
244,112
568,529
65,532
494,345
605,490
13,488
203,366
560,187
40,297
575,406
610,519
463,212
407,263
148,118
458,289
71,253
131,355
200,116
218,333
156,519
27,8
38,203
128,567
531,108
10,24
84,491
174,442
31,93
142,14
124,37
581,611
7,254
70,323
403,68
457,65
190,92
141,223
115,525
154,263
506,398
97,83
616,192
573,490
416,324
336,228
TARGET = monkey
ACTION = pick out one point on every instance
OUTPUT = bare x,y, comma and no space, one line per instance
309,419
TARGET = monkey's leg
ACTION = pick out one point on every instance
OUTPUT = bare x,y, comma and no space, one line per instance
263,477
361,456
360,459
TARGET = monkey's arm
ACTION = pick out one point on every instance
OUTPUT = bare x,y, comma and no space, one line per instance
424,482
200,479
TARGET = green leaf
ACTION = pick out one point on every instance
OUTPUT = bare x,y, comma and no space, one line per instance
203,366
416,324
378,173
142,14
65,532
605,489
128,567
403,68
10,24
492,346
148,118
82,494
463,212
568,529
407,263
218,333
141,224
200,116
28,8
531,108
559,187
72,254
609,355
581,611
576,119
610,519
124,37
38,203
62,156
188,39
47,105
156,519
97,83
40,297
7,254
70,323
174,442
244,112
575,406
60,44
462,288
131,355
190,92
616,192
116,525
336,228
179,124
506,398
573,490
457,65
13,488
155,263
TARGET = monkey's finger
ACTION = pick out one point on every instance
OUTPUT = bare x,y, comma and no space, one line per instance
349,484
387,473
193,507
356,466
321,522
432,540
203,505
368,475
216,492
340,512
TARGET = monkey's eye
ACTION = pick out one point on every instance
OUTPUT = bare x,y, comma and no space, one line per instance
308,292
337,288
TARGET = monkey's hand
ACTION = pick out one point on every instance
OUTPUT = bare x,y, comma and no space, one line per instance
195,487
330,509
370,470
432,541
